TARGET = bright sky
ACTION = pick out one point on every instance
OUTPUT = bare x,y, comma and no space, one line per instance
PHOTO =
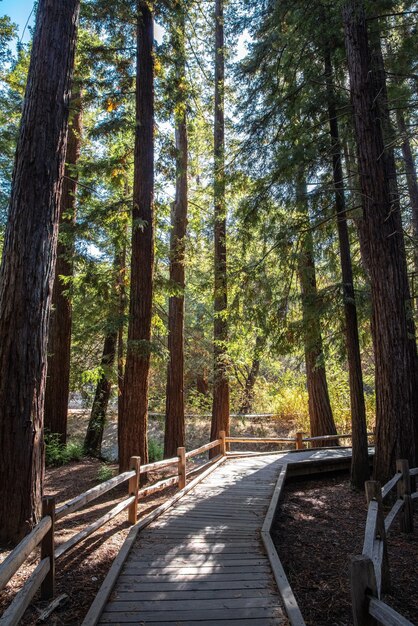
19,12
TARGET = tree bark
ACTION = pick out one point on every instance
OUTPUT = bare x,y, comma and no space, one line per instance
392,325
220,406
320,412
412,182
59,339
248,394
174,424
97,421
360,471
28,265
132,436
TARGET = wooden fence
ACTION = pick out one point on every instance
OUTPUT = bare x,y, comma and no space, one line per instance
43,576
370,573
299,441
42,535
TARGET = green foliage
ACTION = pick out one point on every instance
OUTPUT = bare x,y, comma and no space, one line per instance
155,450
57,453
104,473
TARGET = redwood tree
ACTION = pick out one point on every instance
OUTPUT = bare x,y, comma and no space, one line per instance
220,407
360,460
59,339
174,424
392,326
28,264
133,419
320,411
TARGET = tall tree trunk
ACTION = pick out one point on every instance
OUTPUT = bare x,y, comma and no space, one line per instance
320,412
220,407
59,339
121,325
174,424
134,416
360,462
412,182
392,325
28,265
95,429
248,394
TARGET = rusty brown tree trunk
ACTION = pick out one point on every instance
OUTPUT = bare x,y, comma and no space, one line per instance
220,406
97,421
360,471
28,265
250,381
412,182
392,325
174,420
133,423
59,339
320,412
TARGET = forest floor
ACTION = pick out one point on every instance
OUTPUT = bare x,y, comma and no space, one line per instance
319,526
80,572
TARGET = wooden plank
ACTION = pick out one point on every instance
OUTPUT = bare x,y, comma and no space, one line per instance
158,486
204,448
158,465
91,528
216,594
328,437
384,614
14,613
390,517
242,622
204,569
105,590
19,555
120,606
371,527
290,604
92,494
260,439
386,489
210,576
268,521
194,560
178,616
128,582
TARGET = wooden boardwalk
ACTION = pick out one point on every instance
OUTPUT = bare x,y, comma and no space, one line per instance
203,561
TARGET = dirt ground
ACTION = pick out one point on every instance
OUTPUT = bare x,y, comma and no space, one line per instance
320,524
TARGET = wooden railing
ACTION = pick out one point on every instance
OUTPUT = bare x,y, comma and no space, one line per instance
370,573
42,535
298,441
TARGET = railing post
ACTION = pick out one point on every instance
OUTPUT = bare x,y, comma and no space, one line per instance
374,492
181,453
299,441
404,492
48,549
133,488
222,436
363,582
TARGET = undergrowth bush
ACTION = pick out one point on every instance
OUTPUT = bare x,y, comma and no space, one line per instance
104,473
155,450
57,453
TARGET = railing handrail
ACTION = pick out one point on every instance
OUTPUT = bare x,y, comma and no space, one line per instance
40,533
370,571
